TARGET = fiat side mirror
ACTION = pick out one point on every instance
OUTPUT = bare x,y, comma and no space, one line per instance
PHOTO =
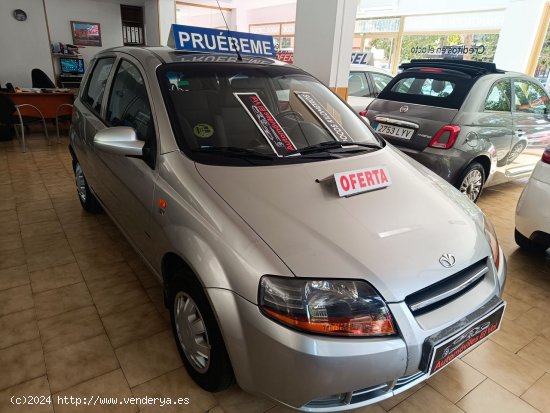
119,140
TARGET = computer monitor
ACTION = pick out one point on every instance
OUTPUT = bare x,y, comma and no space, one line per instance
71,66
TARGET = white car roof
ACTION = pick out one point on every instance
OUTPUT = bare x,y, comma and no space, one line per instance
368,68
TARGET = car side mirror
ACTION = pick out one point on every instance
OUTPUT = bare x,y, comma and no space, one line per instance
119,140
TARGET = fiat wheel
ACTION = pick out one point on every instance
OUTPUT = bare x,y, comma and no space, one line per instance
472,181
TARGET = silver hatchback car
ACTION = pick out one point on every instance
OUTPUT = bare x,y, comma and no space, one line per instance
299,254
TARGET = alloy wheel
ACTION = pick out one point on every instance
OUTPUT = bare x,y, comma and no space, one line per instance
471,184
191,330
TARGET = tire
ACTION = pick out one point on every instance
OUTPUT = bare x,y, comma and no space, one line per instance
527,244
87,199
472,181
215,373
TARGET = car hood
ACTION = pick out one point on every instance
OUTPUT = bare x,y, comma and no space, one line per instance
392,237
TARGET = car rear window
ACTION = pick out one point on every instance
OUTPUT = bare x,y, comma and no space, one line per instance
441,89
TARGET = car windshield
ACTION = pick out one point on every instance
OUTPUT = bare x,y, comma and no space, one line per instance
274,112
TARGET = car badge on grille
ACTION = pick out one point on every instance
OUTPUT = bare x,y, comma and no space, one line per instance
447,260
403,109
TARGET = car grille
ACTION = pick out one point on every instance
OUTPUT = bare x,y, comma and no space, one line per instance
440,293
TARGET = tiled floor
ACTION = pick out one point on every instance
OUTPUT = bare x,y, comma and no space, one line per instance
80,315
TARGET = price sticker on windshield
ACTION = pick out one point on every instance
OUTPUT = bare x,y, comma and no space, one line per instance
362,180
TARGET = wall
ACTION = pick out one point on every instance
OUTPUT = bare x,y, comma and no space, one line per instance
27,46
167,17
274,14
61,12
151,20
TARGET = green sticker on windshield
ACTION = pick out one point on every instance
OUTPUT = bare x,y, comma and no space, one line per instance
203,130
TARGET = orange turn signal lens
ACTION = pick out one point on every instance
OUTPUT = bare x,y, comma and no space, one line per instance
332,307
348,327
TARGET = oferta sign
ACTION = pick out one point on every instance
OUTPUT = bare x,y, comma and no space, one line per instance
200,39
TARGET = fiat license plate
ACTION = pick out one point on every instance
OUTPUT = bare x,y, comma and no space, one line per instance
445,352
395,131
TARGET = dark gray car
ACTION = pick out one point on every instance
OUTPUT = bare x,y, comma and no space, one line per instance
469,122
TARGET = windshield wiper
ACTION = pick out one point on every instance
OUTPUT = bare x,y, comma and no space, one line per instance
234,150
323,146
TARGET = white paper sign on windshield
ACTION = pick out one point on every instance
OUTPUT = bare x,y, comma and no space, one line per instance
266,122
335,129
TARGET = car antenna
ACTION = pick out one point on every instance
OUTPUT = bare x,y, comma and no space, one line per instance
229,32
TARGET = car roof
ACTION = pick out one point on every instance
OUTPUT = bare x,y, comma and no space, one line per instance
168,55
369,68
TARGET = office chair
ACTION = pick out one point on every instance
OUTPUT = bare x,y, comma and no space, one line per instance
20,116
41,80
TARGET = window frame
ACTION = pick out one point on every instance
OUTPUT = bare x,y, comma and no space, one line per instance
88,80
527,80
368,82
375,93
512,99
152,161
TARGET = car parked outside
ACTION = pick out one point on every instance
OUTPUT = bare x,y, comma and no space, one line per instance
365,82
472,124
298,252
533,209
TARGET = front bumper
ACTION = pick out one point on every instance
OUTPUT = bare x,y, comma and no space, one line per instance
302,370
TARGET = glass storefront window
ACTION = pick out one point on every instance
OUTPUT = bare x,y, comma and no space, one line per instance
385,25
479,47
542,71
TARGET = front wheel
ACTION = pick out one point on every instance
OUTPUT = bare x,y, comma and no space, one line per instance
85,196
528,244
198,336
472,180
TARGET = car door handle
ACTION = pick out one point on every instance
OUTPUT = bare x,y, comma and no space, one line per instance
519,133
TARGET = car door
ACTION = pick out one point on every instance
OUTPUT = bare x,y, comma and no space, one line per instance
129,181
531,125
494,122
87,118
359,91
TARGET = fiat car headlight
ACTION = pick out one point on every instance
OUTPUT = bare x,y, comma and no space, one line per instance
493,241
333,307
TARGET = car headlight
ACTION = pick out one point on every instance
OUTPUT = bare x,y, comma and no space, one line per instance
493,241
333,307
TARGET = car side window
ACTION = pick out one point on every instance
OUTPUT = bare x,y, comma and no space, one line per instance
93,94
500,97
380,81
358,85
129,105
530,97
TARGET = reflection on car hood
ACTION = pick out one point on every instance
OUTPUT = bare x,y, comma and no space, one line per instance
392,237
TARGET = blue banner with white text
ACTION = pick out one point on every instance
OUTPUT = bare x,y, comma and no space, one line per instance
200,39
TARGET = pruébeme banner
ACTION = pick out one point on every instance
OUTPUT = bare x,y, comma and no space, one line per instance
268,125
201,39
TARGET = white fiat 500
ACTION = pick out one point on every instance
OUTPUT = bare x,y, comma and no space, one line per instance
300,254
533,210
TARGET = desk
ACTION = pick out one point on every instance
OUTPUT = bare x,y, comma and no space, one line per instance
42,106
46,103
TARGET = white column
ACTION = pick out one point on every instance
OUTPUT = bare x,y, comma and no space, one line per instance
518,33
324,36
151,17
166,17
